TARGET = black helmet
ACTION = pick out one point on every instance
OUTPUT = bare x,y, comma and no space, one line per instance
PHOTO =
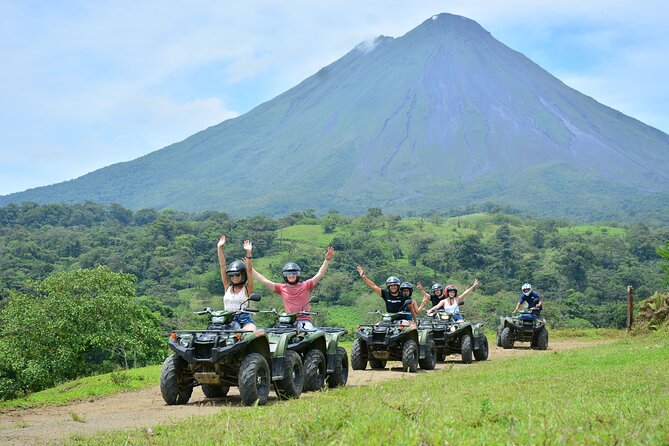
237,267
437,286
392,280
407,286
290,269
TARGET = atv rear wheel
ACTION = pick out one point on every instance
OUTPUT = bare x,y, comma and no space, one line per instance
410,356
293,377
466,348
358,355
314,370
506,338
213,391
430,359
498,338
541,339
339,376
482,353
441,356
377,364
254,379
176,383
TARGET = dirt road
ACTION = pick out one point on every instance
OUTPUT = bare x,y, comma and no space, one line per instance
146,408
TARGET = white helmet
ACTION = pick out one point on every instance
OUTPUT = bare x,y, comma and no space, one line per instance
526,289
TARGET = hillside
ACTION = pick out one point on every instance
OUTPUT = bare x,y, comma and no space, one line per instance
442,117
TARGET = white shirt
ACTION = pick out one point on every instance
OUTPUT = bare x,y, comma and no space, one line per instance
233,301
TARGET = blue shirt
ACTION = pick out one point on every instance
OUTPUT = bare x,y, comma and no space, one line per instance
532,300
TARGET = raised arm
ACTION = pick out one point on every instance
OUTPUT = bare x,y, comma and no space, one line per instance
468,290
221,262
260,278
426,298
248,246
368,281
324,267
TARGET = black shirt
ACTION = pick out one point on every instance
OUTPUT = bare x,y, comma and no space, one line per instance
394,304
436,299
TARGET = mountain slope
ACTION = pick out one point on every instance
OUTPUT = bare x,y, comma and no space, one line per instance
441,117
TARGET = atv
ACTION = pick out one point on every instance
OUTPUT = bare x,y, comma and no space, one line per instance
324,361
217,358
456,337
525,327
389,340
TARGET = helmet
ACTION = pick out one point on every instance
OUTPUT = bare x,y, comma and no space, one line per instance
392,280
290,269
437,286
237,267
451,288
526,289
407,286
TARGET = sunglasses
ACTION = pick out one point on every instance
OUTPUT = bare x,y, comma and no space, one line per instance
236,275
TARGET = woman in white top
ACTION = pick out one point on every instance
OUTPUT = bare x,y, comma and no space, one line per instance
238,282
451,303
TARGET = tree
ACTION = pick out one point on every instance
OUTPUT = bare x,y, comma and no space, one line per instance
73,324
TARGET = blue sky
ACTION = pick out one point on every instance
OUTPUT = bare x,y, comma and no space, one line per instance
88,84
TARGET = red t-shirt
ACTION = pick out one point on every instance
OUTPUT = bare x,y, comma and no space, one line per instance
295,297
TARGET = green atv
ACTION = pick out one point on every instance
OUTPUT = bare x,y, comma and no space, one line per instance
389,340
525,327
456,337
217,358
324,361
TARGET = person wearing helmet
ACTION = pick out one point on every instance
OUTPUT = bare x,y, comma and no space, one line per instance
295,294
392,295
238,283
450,303
435,297
530,297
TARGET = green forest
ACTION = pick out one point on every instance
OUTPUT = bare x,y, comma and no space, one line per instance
89,288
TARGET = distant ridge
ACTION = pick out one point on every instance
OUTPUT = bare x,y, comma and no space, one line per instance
442,117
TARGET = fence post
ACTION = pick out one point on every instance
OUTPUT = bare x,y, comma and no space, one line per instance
630,307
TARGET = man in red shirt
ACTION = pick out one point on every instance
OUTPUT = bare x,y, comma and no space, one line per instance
295,294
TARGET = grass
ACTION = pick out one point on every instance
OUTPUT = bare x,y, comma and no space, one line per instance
90,387
617,393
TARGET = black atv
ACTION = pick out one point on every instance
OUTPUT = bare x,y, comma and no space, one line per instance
217,358
324,361
524,327
388,340
456,337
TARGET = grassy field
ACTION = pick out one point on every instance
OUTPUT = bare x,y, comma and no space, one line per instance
617,393
90,387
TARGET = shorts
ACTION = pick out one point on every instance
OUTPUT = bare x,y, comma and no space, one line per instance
243,319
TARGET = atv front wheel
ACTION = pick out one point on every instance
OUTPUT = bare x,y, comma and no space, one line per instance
314,370
410,356
358,355
293,377
176,384
212,391
254,379
482,353
506,338
339,376
466,348
541,339
430,359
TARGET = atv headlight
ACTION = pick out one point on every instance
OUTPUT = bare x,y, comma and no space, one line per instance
230,340
453,328
184,340
284,319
